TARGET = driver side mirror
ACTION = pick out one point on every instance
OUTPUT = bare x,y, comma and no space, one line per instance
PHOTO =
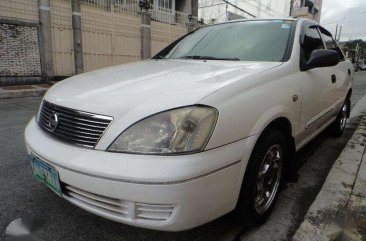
323,58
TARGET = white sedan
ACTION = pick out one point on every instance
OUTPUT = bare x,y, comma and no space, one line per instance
208,125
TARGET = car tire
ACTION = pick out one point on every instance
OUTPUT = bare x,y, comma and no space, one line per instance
254,205
337,127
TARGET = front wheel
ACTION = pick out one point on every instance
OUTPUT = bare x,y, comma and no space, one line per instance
263,178
338,126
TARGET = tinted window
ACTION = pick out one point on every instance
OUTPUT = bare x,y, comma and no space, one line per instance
312,41
330,43
247,41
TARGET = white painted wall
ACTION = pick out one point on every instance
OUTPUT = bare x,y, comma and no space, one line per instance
258,8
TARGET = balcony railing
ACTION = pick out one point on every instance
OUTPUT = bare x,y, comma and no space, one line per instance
164,15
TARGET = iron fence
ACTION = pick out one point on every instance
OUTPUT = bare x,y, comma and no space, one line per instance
163,14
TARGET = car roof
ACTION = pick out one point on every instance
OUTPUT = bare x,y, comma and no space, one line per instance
255,19
274,19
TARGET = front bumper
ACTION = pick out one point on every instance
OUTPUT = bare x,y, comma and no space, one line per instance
169,193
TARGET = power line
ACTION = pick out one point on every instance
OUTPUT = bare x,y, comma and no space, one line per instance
258,8
212,5
345,19
261,4
353,35
268,10
233,5
353,26
345,24
217,17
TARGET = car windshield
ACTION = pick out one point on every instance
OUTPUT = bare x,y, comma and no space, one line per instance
264,40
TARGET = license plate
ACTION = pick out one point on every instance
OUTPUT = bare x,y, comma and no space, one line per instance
46,174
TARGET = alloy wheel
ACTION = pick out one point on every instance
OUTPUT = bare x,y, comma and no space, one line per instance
268,179
343,119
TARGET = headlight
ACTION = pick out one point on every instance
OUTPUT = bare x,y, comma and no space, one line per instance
183,130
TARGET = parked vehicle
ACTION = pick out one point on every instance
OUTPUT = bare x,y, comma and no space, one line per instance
362,66
208,125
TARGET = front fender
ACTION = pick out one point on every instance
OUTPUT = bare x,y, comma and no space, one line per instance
248,106
280,111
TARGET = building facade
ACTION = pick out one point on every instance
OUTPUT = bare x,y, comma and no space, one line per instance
37,37
219,11
310,9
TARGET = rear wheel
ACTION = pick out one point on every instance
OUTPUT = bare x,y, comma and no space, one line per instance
338,126
263,178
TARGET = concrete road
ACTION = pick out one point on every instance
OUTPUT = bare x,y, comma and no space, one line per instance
22,196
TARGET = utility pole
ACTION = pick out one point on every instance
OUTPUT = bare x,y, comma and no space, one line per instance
194,8
336,32
291,6
145,29
339,35
76,30
226,13
45,40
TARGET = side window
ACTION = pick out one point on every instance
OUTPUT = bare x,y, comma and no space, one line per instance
331,44
312,41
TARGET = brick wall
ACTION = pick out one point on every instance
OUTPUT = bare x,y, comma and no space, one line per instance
19,51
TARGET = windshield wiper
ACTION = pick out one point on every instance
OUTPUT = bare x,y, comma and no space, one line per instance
208,58
159,57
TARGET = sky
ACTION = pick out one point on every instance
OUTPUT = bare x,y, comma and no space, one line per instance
350,14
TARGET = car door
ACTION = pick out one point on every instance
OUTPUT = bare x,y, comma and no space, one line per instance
317,85
341,72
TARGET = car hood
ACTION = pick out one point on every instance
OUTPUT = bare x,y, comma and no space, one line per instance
149,86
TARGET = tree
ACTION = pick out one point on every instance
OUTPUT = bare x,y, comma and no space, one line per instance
353,43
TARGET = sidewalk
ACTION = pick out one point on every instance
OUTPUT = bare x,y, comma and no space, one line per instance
339,211
18,91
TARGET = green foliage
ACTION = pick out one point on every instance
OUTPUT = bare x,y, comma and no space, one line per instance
353,43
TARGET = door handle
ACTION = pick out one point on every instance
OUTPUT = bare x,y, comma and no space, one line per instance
334,78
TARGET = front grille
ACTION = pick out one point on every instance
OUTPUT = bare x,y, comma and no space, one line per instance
72,126
119,209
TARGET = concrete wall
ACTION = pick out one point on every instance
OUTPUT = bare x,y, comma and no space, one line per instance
19,53
19,9
164,34
233,16
18,24
109,38
110,35
62,38
216,9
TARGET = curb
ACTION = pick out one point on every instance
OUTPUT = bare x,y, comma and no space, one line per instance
339,210
34,92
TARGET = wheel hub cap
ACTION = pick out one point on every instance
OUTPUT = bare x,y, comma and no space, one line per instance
268,179
344,113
